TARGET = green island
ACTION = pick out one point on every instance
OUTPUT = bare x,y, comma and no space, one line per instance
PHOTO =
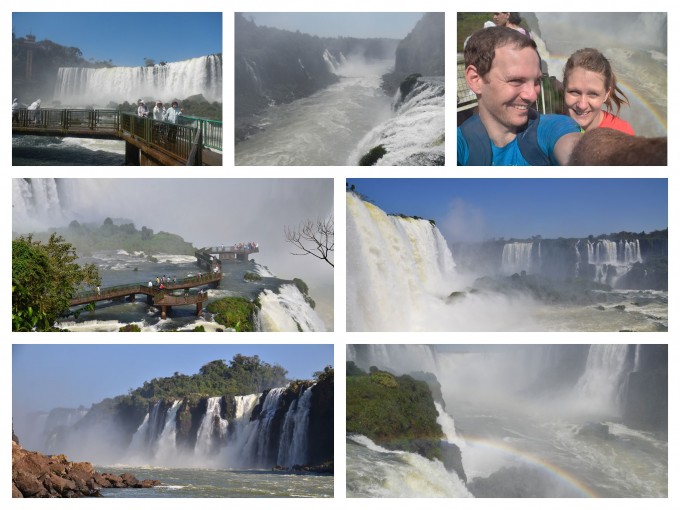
395,412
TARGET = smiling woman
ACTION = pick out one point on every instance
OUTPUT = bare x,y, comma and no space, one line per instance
590,83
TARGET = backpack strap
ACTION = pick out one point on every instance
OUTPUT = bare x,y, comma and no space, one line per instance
479,143
527,141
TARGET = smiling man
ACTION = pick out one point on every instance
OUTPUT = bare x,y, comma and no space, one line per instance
502,67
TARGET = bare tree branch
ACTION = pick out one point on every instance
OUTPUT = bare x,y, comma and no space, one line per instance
314,238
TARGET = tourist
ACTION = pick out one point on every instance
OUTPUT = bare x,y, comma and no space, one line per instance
150,285
171,115
142,110
589,83
35,108
99,291
158,111
502,67
15,110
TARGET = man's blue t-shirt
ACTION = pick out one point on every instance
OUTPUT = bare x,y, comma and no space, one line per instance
551,128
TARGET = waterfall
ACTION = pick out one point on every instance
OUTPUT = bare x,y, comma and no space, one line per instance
77,86
260,443
293,449
333,63
36,203
605,254
394,264
599,388
166,447
448,426
517,257
213,428
415,134
287,310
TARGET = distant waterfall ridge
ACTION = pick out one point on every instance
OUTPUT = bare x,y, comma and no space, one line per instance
79,86
621,255
518,257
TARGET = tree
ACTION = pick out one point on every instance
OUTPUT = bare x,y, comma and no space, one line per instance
314,238
44,279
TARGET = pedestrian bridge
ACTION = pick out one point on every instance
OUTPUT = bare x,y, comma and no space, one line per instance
192,141
164,298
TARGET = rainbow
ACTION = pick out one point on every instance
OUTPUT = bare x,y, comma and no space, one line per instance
534,461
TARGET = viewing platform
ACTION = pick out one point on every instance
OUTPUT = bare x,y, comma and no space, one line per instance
212,257
190,142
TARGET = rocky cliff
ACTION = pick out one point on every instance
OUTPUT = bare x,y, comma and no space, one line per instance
40,476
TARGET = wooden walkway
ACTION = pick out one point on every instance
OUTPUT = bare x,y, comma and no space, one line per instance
164,298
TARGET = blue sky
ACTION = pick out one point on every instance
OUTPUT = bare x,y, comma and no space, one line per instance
395,25
477,209
49,376
127,37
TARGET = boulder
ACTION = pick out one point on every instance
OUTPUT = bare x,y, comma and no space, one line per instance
40,476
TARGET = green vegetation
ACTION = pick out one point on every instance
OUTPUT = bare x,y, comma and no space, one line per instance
304,290
395,412
243,375
87,238
234,312
372,156
193,106
469,22
252,277
130,328
44,278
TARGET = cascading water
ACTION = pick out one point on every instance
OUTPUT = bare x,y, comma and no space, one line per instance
293,445
415,134
213,428
78,86
517,257
599,388
401,276
620,255
287,310
165,448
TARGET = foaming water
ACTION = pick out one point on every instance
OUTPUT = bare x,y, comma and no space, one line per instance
53,151
321,129
415,134
375,472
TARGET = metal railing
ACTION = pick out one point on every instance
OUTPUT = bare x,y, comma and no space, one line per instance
175,139
51,118
211,129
